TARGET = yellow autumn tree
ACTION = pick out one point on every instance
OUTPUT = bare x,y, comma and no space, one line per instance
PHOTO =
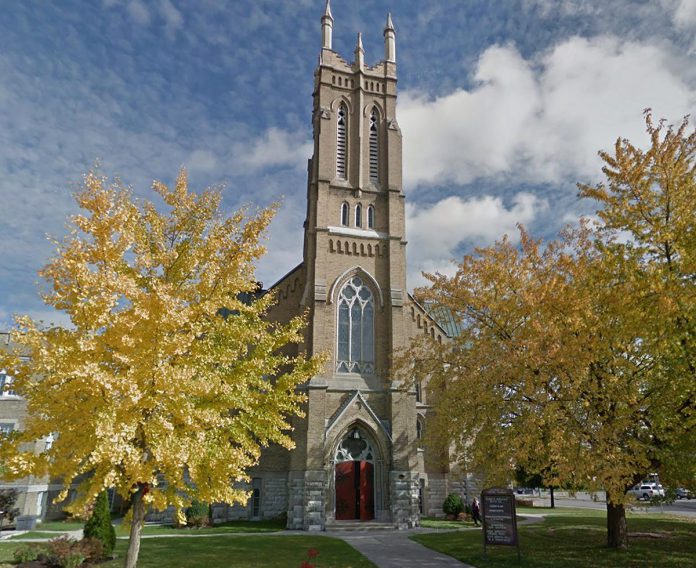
576,358
170,380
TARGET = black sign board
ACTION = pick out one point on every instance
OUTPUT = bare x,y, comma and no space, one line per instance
499,517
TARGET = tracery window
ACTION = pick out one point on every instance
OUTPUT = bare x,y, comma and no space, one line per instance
374,146
355,447
355,352
344,214
370,217
358,215
341,131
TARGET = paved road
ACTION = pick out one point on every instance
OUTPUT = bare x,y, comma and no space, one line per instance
684,507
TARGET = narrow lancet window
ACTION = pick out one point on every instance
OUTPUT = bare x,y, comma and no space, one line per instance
370,217
374,146
341,131
358,215
344,214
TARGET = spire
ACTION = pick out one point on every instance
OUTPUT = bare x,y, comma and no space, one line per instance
359,53
327,27
389,40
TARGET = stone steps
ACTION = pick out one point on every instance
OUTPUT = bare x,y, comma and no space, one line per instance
358,526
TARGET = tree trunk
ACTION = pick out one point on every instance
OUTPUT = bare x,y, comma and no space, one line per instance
138,508
553,501
617,535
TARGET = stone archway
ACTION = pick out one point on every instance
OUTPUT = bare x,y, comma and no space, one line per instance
354,477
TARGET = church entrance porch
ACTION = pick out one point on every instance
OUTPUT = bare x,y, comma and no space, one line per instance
355,491
356,478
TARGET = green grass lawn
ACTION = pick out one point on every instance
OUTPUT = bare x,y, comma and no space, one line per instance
244,551
52,530
7,549
576,538
228,527
433,523
59,526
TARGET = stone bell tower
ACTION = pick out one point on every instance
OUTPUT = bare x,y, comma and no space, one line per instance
356,457
358,453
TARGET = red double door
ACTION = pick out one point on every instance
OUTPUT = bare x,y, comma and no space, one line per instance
355,491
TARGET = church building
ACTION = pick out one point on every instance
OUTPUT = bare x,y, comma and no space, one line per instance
358,454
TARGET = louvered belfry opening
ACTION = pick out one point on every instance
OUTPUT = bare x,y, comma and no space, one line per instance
341,132
374,146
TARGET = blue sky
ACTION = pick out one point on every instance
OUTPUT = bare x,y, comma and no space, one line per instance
503,106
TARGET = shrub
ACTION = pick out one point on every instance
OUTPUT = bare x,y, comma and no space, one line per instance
93,549
198,514
27,553
99,525
72,560
67,553
58,548
453,505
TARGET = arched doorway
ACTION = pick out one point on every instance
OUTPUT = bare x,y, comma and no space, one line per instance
355,478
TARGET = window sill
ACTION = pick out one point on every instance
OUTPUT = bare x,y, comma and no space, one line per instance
354,232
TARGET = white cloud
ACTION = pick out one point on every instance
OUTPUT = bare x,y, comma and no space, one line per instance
284,244
683,12
439,229
275,148
202,161
138,12
172,17
541,120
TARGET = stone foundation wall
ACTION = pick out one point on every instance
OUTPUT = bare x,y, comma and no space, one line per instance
404,499
307,500
274,495
436,492
467,486
296,500
314,519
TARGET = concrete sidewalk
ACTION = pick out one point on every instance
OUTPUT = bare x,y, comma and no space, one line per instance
394,549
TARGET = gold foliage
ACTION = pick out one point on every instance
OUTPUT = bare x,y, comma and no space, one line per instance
153,386
578,357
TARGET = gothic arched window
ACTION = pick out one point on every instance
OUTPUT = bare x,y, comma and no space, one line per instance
355,342
344,214
370,217
341,136
374,146
358,215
